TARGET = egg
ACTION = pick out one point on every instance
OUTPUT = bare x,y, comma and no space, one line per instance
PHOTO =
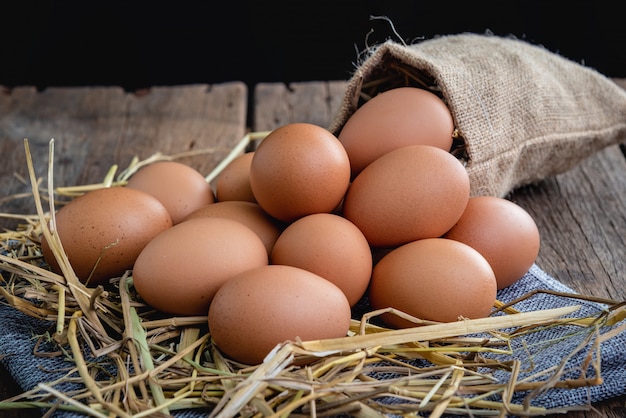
433,279
181,269
299,169
180,187
394,119
331,247
233,183
411,193
260,308
103,232
503,232
249,214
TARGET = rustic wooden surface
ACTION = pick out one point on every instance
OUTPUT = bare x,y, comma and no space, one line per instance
581,214
96,127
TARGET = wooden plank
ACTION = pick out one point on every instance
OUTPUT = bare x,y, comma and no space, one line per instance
97,127
581,214
277,104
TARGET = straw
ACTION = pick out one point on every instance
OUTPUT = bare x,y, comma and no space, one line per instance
159,363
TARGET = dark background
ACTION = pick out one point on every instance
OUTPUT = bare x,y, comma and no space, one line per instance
137,44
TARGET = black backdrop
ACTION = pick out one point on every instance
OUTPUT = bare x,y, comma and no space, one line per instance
136,44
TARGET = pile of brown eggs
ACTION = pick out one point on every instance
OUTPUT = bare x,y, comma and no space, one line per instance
297,232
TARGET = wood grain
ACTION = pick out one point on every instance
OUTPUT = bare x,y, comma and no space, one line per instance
277,104
96,127
581,215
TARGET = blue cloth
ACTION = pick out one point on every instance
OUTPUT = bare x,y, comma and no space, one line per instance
548,347
18,331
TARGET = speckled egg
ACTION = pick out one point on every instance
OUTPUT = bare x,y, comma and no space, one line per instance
249,214
393,119
180,187
331,247
104,230
233,183
503,232
433,279
411,193
299,169
182,268
261,308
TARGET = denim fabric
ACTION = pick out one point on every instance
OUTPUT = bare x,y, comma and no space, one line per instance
548,348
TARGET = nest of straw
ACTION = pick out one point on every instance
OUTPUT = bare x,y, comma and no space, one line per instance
157,365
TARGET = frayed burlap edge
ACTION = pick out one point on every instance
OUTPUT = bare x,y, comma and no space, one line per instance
522,112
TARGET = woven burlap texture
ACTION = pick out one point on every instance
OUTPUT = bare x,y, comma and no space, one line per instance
525,112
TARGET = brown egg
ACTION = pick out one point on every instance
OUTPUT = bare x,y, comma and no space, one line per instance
503,232
180,188
104,230
299,169
433,279
249,214
180,270
394,119
331,247
233,183
411,193
261,308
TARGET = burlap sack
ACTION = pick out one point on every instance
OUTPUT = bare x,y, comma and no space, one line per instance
522,112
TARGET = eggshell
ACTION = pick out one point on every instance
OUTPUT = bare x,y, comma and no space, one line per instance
104,230
260,308
394,119
434,279
299,169
249,214
180,270
233,183
180,187
329,246
503,232
411,193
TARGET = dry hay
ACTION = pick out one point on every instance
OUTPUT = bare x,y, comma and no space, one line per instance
159,364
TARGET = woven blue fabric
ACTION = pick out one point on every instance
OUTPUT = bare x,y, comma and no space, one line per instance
18,331
548,348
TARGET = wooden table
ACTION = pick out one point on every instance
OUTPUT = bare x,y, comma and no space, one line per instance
581,214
